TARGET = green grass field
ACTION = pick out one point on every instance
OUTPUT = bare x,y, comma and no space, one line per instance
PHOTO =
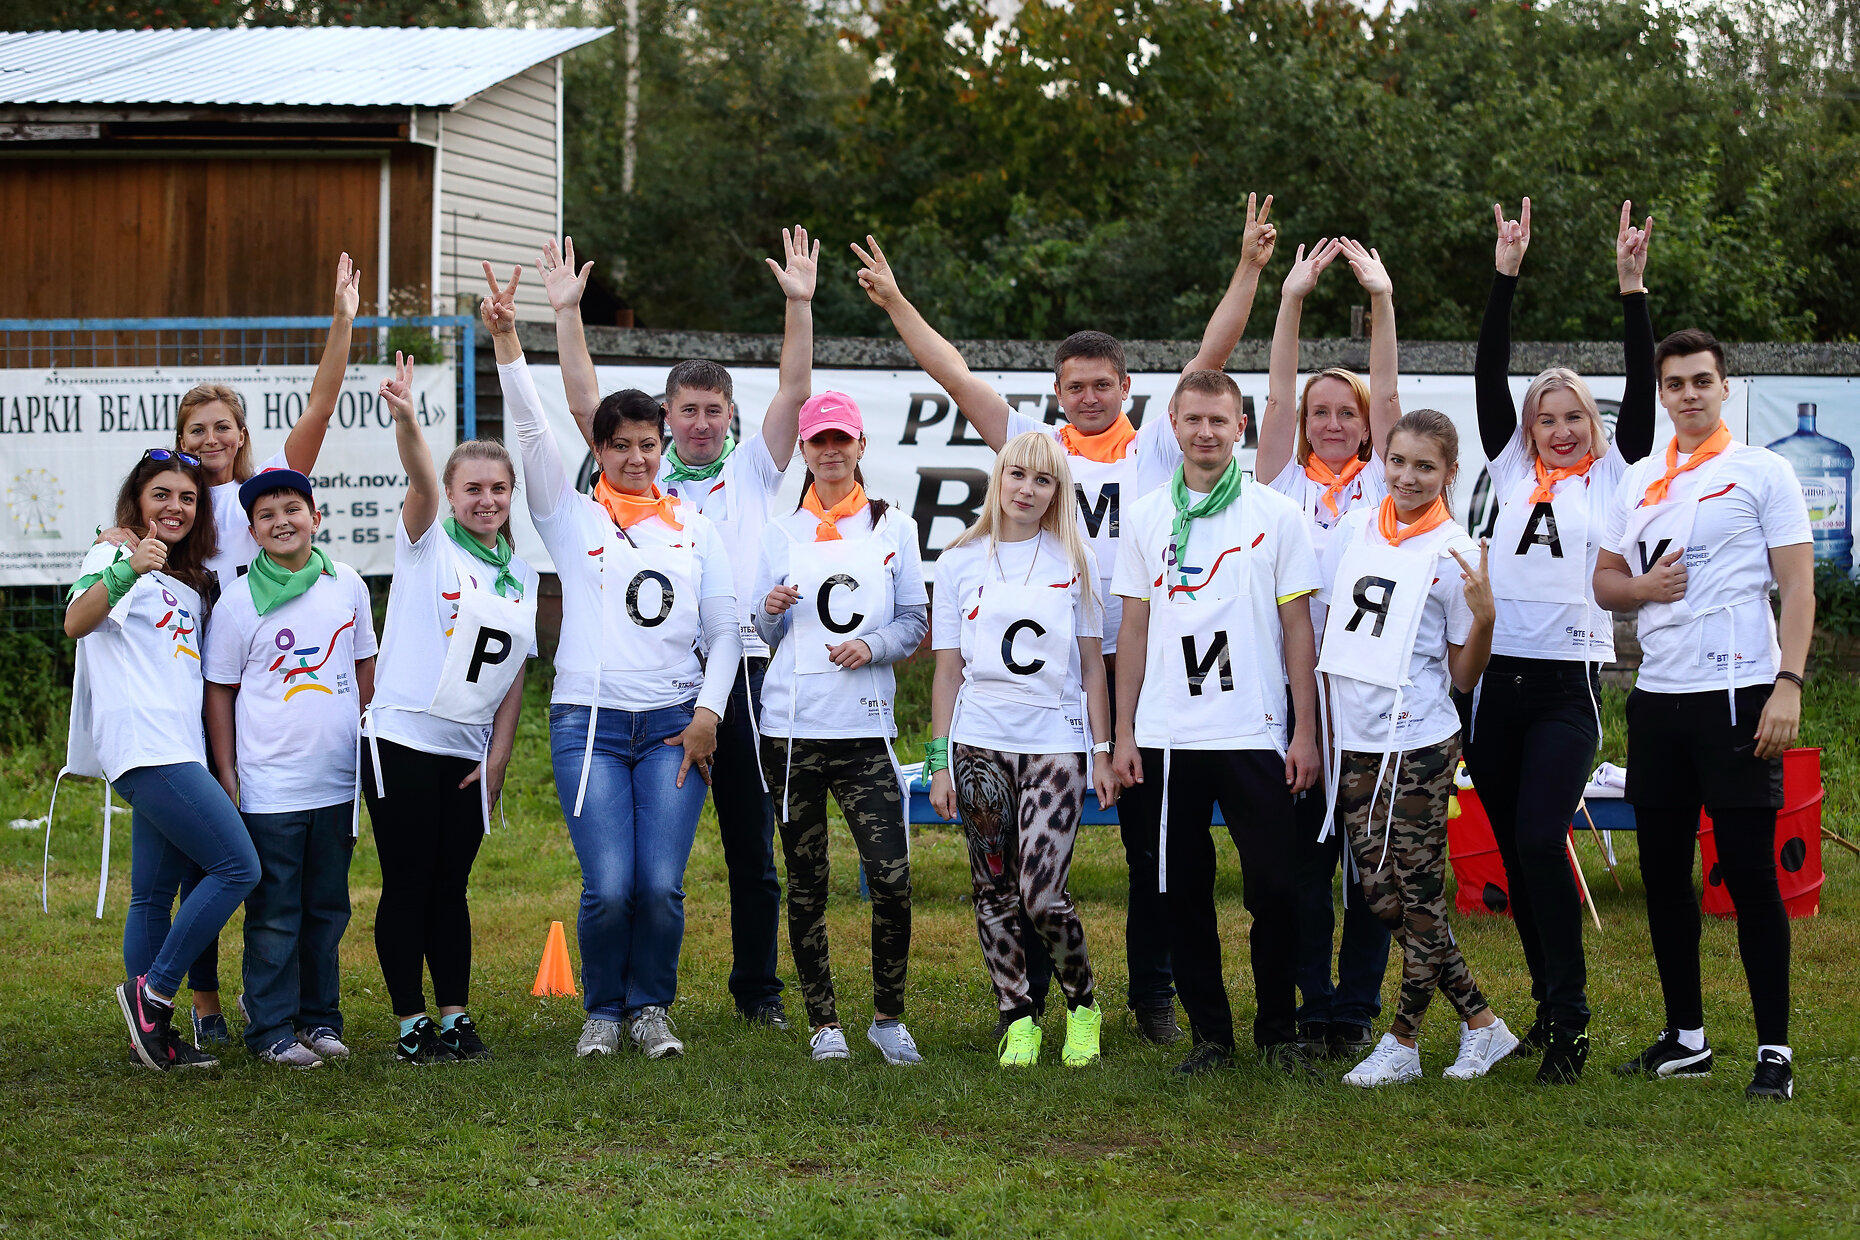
746,1136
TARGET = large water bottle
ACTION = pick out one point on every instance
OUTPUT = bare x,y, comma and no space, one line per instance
1825,468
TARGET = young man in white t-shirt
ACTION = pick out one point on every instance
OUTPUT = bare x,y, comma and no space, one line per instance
290,665
1696,537
734,485
1216,637
1114,462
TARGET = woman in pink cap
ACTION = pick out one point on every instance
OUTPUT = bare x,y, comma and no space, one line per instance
843,599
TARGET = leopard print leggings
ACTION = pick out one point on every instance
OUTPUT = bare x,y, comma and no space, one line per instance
1021,814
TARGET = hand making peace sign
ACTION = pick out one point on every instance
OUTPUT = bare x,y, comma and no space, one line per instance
1258,237
499,310
1478,585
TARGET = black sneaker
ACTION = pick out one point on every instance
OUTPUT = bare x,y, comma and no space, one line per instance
422,1045
1565,1053
463,1040
1349,1043
1535,1041
1157,1025
1291,1059
150,1025
770,1014
1668,1058
1775,1078
1203,1058
1314,1039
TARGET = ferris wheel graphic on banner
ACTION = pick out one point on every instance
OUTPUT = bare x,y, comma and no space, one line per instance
33,500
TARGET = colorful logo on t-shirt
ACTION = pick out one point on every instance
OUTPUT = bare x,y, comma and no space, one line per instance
305,676
179,623
452,597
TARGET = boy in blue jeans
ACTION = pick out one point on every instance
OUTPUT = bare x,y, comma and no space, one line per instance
290,665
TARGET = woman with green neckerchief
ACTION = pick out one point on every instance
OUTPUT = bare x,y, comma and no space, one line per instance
461,620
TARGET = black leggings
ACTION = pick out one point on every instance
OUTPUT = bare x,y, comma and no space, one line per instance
1746,840
1534,738
427,830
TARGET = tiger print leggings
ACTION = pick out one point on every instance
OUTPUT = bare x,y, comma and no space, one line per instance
1021,814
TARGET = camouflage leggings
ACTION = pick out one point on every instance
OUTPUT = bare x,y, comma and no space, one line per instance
1407,888
860,777
1021,814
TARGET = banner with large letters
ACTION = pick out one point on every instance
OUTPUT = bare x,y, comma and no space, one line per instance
68,438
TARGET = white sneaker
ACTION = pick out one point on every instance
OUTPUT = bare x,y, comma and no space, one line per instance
895,1043
598,1037
324,1041
829,1042
1480,1049
1390,1063
290,1053
652,1033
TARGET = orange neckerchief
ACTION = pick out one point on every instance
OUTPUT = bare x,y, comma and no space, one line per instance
629,510
1333,481
1547,478
1715,443
1436,515
1109,444
828,529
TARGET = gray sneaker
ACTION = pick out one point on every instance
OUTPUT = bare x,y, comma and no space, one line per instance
894,1042
290,1053
598,1037
652,1033
324,1041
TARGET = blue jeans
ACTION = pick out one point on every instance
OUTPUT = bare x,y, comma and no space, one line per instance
1363,957
294,921
746,823
182,818
633,839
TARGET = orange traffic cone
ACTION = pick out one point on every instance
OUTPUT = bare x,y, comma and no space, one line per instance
553,975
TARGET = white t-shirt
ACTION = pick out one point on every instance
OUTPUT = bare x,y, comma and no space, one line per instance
992,720
1746,501
838,704
1359,712
1261,534
143,672
1104,491
1578,629
576,534
298,712
1368,488
422,605
738,502
237,546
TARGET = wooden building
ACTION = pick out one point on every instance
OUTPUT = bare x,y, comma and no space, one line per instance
149,173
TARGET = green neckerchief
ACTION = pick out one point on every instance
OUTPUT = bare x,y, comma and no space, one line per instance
682,472
117,578
498,559
273,585
1225,492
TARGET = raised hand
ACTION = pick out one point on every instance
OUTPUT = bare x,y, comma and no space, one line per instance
561,282
1367,264
499,310
876,277
1258,238
1303,276
349,289
1478,585
1631,250
1514,237
797,278
397,393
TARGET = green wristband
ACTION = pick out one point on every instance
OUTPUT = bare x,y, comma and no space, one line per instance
118,579
936,755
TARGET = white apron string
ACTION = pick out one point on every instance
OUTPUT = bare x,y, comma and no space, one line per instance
45,872
1162,830
587,750
755,729
787,774
103,870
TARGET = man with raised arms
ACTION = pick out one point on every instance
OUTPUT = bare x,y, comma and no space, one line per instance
732,484
1113,463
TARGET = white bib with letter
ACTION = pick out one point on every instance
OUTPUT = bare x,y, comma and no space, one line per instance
1540,551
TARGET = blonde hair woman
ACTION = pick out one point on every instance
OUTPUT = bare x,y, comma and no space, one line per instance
1018,632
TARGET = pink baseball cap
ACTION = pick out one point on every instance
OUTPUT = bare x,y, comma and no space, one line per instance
831,411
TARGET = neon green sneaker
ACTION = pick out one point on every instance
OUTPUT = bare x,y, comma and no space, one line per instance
1020,1046
1083,1025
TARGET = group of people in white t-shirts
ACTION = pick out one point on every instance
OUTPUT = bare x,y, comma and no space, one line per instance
1132,617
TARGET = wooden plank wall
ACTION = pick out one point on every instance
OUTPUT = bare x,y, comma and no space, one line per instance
499,201
141,237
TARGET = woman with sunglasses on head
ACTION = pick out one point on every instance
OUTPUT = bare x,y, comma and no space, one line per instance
1536,721
843,599
649,651
136,612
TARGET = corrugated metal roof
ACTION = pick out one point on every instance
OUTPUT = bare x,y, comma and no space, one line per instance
429,67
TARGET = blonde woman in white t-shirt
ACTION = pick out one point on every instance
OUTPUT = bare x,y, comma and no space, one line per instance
1019,671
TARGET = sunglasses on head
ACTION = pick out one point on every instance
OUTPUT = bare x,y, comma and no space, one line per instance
169,454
